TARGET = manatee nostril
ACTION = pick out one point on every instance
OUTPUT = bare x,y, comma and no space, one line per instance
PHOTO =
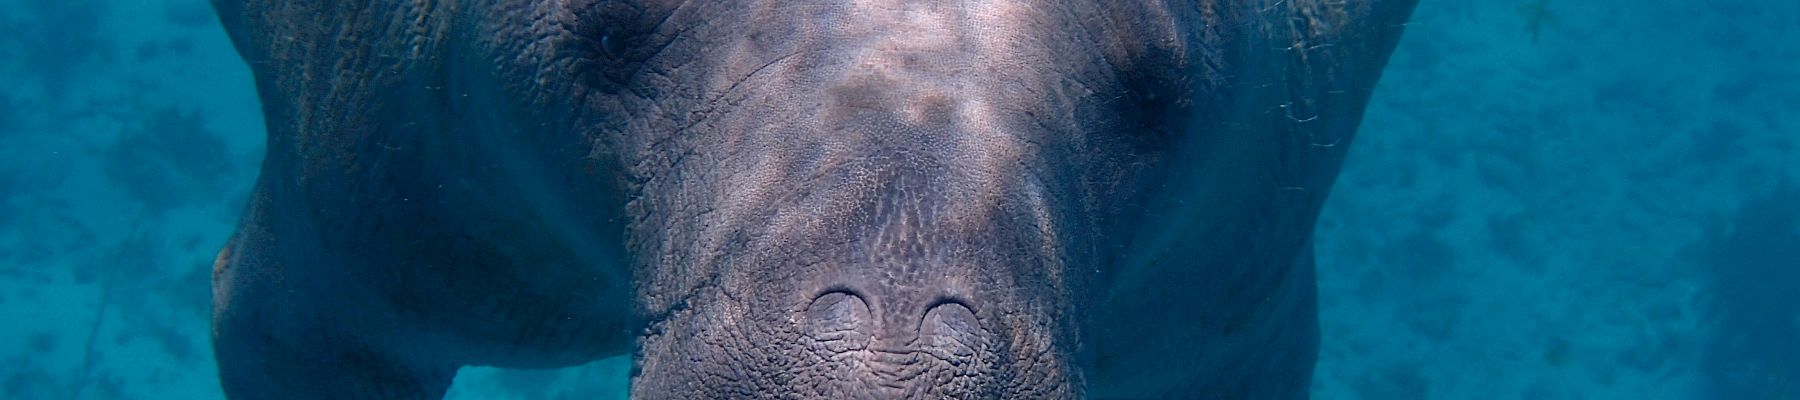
950,316
839,321
951,332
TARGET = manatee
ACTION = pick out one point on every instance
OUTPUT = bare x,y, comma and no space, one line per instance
792,199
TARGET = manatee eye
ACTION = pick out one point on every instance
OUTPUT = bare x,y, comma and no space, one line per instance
609,47
602,41
1153,110
839,321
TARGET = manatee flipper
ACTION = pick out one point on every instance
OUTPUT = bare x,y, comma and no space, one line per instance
274,344
322,369
265,366
405,223
1215,296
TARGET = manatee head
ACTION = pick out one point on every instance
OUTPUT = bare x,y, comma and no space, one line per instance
875,199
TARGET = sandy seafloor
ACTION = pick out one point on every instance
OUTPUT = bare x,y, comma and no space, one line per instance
1549,199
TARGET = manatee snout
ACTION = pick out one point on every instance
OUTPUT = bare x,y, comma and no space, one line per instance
888,290
925,350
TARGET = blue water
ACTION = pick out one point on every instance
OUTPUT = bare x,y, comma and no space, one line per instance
1548,199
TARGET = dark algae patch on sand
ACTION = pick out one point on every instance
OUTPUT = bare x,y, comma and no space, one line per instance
80,43
168,159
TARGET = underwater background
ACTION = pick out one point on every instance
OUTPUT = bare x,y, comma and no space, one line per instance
1548,199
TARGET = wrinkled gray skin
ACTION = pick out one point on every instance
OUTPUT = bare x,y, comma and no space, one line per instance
792,199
